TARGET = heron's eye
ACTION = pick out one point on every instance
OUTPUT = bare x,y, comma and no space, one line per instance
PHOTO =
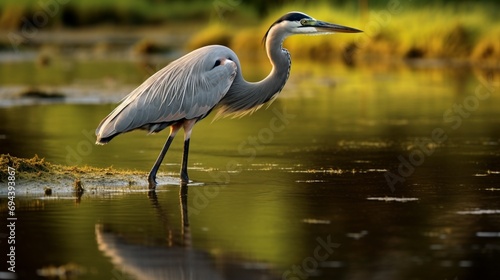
304,21
217,63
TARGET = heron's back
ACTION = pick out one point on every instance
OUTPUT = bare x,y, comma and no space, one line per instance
187,88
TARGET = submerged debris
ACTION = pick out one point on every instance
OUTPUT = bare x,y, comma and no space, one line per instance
397,199
67,271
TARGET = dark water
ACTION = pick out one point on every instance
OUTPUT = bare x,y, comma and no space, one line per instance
368,173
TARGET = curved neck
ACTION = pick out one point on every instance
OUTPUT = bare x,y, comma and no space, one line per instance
280,60
245,97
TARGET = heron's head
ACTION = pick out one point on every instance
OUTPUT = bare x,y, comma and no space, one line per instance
300,23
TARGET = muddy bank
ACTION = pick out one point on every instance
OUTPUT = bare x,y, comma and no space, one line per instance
35,176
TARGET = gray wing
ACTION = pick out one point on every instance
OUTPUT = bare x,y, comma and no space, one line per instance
187,88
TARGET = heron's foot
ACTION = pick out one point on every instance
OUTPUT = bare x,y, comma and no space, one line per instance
152,182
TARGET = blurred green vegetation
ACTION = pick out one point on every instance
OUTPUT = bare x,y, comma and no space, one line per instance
80,13
408,29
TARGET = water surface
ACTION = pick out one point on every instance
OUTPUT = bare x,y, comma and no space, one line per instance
353,173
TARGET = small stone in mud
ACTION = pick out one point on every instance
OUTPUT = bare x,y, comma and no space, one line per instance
47,191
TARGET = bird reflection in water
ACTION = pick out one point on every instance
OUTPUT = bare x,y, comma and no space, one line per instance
178,259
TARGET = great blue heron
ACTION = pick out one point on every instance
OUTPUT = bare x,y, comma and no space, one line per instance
189,88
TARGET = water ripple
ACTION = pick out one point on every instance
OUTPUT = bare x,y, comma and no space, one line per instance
479,212
396,199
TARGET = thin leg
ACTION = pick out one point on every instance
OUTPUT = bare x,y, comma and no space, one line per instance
188,128
184,171
152,174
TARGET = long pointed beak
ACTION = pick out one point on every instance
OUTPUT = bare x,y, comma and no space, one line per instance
330,27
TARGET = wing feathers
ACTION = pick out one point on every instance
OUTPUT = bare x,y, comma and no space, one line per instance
188,88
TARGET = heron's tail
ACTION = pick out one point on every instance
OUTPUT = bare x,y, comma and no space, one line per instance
104,132
105,140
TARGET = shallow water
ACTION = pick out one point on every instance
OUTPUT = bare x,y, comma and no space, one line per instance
366,173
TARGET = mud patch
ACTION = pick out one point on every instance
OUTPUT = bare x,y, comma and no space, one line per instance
36,176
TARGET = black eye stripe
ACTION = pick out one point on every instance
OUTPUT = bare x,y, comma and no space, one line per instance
293,17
